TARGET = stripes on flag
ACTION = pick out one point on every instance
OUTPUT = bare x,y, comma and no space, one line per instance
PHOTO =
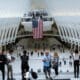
37,28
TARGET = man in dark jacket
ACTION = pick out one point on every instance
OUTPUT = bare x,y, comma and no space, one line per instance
2,64
24,63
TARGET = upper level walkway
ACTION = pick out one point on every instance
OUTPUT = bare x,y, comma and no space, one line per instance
30,35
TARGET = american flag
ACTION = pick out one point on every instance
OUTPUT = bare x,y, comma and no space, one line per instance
37,28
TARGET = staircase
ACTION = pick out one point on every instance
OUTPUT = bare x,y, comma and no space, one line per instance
62,42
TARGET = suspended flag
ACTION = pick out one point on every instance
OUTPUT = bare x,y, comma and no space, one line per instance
37,28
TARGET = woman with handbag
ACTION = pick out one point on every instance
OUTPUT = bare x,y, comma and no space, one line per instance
55,62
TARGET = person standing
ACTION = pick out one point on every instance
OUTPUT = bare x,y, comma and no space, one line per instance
10,59
31,53
2,64
46,65
76,64
55,62
24,63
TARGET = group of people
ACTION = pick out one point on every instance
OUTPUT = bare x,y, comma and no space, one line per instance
53,62
6,59
48,63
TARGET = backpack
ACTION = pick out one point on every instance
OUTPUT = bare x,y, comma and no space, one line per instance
34,75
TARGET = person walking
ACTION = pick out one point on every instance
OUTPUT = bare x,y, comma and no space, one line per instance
3,60
47,64
24,63
76,64
55,62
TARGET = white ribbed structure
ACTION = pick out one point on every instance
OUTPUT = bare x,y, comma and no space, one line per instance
8,30
69,31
